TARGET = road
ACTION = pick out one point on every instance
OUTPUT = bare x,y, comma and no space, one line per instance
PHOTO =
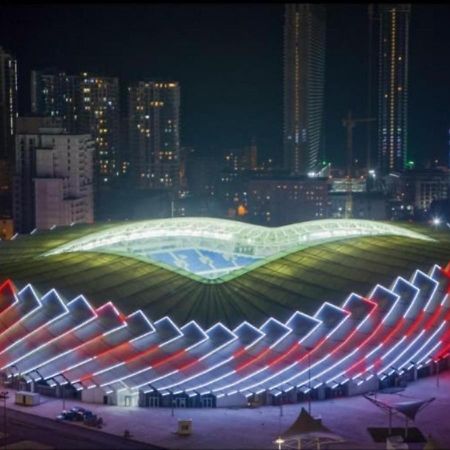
62,435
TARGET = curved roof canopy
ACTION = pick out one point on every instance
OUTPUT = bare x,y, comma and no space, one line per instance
209,249
297,279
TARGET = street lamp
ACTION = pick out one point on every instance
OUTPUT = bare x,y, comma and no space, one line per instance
4,395
279,442
436,221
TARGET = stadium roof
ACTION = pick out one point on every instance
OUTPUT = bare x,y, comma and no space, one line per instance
295,278
253,244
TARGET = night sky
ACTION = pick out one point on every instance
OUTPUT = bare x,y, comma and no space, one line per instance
228,59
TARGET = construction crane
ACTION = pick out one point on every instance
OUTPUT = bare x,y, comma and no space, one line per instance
349,122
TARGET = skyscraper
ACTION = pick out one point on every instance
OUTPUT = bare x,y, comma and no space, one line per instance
8,104
100,117
393,87
304,75
8,117
154,134
56,94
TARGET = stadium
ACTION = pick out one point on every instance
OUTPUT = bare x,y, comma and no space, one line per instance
199,312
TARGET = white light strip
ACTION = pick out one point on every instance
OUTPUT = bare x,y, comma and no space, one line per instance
435,347
425,344
221,388
402,353
393,348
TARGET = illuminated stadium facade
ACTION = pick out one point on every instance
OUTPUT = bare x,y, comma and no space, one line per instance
109,352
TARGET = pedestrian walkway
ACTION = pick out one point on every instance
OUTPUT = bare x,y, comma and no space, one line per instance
247,428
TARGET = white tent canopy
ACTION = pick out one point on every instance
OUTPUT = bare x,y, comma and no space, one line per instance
307,432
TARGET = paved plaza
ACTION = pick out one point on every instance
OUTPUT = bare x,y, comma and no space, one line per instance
257,428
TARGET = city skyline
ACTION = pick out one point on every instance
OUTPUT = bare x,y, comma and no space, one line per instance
237,111
227,208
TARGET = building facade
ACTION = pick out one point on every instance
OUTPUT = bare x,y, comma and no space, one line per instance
56,94
154,134
304,75
53,182
278,201
413,193
393,54
365,205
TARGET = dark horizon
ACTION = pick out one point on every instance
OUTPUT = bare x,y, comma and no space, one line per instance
228,59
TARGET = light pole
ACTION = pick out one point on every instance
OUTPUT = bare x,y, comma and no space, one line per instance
63,397
4,396
308,349
281,402
437,373
171,402
309,383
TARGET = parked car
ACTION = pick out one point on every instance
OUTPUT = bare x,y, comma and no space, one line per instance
78,414
67,415
78,409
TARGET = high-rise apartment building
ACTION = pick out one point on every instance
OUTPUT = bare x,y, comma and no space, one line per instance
100,117
56,94
86,104
53,181
154,134
393,86
304,75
